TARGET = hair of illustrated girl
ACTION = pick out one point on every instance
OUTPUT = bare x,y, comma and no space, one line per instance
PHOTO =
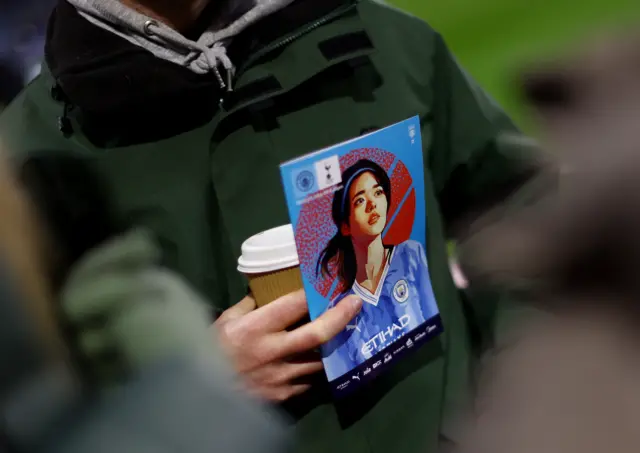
340,247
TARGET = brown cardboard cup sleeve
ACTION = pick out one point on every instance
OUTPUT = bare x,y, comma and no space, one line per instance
270,262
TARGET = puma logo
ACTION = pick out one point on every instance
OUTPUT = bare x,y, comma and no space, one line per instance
354,327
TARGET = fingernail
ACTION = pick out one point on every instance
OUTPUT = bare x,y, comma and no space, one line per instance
357,303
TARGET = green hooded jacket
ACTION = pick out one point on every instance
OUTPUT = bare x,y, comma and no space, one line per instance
198,165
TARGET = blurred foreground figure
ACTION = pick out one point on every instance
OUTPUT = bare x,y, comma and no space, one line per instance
568,382
10,83
122,362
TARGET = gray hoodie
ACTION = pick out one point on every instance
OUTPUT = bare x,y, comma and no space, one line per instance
201,56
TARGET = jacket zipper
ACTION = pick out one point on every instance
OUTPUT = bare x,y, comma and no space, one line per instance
288,40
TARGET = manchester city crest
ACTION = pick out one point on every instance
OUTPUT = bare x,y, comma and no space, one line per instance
401,291
305,181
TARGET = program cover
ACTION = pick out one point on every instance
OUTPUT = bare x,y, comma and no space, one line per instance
358,212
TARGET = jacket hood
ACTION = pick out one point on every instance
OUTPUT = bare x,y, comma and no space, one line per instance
122,93
203,54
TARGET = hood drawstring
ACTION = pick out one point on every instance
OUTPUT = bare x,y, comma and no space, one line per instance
205,58
201,56
64,123
214,54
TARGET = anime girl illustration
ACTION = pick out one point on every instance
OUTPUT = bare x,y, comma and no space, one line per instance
393,281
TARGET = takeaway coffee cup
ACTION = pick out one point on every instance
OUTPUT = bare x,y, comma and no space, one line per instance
270,262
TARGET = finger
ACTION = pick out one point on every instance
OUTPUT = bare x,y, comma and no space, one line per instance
279,314
242,308
291,371
311,335
283,373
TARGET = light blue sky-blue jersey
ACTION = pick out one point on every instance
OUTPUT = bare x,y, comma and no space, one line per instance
403,301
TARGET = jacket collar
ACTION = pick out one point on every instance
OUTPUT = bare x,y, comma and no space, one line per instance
120,94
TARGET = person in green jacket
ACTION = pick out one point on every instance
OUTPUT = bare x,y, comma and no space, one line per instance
187,108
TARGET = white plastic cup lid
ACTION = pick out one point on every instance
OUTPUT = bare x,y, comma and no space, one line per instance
269,251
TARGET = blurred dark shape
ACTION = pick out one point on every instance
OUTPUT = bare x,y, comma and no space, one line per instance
183,402
11,82
73,203
175,407
21,354
22,32
583,243
549,91
583,237
588,103
566,381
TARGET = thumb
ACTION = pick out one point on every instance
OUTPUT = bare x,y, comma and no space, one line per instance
324,328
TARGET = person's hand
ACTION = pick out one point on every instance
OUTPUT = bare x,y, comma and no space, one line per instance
264,353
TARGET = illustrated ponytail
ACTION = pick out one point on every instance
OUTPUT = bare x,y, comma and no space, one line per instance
339,248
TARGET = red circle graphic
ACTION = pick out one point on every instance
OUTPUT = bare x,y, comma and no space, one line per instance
315,225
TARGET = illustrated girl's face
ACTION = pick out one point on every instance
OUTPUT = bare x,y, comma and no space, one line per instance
368,205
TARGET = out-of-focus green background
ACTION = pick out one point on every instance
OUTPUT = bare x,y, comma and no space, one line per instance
494,38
